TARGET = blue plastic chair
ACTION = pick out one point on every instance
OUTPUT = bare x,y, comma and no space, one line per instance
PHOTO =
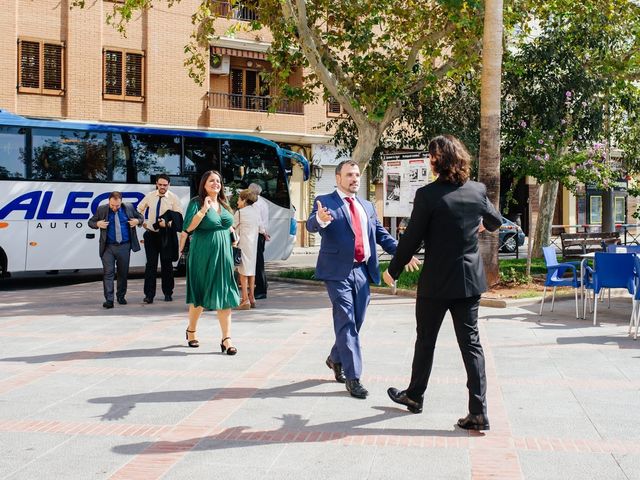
555,276
612,270
635,311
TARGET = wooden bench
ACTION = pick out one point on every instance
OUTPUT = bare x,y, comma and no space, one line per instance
576,244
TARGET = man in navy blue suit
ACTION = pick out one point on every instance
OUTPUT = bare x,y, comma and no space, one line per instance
347,262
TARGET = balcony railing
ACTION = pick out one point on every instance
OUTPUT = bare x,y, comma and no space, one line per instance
253,103
246,13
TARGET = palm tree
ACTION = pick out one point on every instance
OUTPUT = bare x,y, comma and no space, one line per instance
489,158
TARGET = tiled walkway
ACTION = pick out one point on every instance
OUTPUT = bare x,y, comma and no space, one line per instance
91,393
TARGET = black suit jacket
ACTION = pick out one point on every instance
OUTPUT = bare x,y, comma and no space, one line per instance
169,235
101,214
446,217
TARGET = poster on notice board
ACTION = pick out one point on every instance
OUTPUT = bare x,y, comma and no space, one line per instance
404,173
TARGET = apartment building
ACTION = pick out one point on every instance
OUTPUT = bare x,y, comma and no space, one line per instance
67,63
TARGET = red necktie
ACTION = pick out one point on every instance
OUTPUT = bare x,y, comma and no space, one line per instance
357,228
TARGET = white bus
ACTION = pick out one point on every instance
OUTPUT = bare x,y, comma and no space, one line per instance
54,174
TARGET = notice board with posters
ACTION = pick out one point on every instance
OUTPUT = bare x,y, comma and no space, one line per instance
404,173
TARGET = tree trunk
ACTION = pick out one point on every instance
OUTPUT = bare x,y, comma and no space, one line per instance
545,217
368,139
489,161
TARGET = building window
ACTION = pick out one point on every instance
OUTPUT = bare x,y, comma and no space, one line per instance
619,210
595,209
245,10
248,91
334,109
41,68
123,75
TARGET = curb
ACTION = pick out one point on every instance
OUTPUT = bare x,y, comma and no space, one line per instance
400,292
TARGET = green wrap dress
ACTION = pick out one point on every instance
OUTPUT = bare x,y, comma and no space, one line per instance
210,280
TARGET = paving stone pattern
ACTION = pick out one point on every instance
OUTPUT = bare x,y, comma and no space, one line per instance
117,394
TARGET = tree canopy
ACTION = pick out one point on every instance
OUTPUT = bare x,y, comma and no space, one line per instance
372,57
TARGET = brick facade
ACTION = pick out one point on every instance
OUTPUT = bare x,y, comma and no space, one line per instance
171,98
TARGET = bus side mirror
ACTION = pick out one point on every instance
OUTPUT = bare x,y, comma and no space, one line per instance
91,235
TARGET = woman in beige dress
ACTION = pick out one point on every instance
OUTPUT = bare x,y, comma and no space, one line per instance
246,222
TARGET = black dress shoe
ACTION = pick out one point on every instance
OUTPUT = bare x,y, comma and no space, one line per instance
168,298
337,370
355,388
122,300
260,296
474,422
148,300
108,304
401,398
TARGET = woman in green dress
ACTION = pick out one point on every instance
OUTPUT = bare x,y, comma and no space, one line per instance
210,281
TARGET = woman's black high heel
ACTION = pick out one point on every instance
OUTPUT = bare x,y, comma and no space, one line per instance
230,350
192,343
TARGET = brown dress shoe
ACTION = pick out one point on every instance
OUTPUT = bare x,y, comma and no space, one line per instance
401,398
355,388
474,422
337,370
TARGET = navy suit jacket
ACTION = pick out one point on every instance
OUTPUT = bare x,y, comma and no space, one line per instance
337,248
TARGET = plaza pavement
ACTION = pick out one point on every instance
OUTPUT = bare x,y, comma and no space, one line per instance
88,393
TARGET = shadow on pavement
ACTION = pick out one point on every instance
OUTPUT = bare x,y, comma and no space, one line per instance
294,429
88,354
122,405
85,300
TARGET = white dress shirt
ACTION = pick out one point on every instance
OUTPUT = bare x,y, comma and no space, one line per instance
362,214
169,201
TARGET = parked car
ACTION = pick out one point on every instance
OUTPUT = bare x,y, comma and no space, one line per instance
510,236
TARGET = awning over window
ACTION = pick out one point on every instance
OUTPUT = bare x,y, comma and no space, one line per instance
234,52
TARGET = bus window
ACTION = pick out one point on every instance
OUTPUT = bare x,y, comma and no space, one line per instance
200,155
69,155
121,167
248,162
154,154
12,153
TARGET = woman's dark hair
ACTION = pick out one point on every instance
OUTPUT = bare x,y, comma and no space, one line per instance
202,193
451,160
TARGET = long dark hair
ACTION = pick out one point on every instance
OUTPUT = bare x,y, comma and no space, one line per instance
451,160
202,193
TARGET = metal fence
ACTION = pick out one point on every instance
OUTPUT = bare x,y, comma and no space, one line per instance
254,103
629,232
242,11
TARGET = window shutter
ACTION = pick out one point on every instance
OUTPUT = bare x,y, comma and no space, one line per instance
53,62
134,74
237,84
29,64
112,72
333,106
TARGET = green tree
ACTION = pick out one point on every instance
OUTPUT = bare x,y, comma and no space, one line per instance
569,84
372,57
